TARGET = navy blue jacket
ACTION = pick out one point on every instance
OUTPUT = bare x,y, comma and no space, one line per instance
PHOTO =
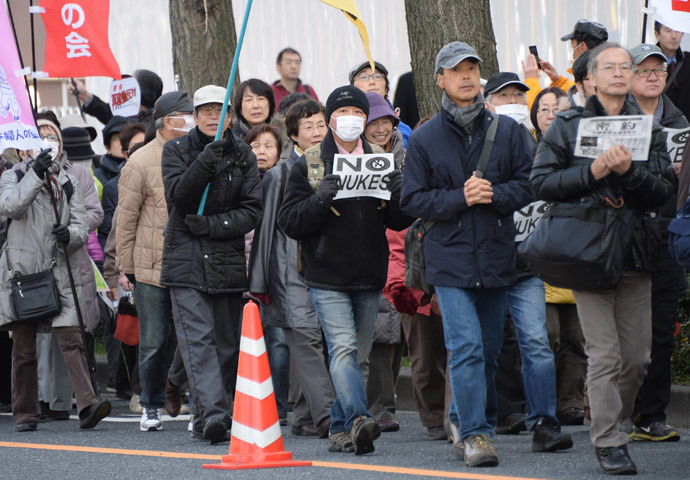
468,247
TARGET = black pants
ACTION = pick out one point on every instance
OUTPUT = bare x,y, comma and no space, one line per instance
654,395
5,368
509,385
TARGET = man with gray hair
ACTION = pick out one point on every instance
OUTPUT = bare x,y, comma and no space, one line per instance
616,321
142,215
469,250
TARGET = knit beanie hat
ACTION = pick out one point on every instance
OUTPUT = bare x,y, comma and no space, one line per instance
77,143
41,122
346,96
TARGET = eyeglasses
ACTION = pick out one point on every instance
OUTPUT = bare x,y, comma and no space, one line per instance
610,68
546,111
50,138
209,109
646,72
364,77
310,127
514,95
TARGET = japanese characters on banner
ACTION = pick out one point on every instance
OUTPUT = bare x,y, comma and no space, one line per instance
363,175
125,97
17,125
676,140
77,39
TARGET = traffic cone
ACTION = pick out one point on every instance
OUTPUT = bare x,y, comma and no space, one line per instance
256,441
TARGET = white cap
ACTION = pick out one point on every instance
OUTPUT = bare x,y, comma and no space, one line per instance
209,94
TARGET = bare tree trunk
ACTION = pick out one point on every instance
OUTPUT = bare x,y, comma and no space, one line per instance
204,41
434,23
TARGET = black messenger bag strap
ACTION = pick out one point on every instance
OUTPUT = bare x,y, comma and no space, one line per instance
487,146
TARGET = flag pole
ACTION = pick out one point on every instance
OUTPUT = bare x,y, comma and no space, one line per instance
644,22
231,80
75,91
21,61
33,57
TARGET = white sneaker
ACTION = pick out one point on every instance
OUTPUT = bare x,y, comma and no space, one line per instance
190,425
134,405
150,420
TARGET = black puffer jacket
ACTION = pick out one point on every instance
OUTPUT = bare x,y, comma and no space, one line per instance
558,175
213,263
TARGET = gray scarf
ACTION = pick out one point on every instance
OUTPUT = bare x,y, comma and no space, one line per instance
464,117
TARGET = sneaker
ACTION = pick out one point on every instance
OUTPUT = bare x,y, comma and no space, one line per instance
512,424
150,420
548,437
479,452
453,432
340,442
655,432
134,405
364,431
616,460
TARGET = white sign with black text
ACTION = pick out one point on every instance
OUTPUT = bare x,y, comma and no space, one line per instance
125,97
526,219
676,140
595,135
363,175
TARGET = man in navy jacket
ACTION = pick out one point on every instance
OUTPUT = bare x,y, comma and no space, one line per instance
470,251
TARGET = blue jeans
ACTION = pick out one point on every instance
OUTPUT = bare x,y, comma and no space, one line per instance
347,319
279,362
155,317
527,308
473,331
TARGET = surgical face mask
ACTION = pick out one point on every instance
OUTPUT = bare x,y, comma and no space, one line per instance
349,127
519,113
188,123
54,149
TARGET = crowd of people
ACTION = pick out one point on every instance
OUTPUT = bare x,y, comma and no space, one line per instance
191,228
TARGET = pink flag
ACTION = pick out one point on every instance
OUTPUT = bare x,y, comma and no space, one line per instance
17,124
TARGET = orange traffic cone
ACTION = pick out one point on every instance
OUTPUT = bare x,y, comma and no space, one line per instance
256,441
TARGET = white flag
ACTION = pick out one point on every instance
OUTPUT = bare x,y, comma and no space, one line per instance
674,14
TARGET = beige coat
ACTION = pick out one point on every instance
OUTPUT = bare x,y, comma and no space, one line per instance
142,213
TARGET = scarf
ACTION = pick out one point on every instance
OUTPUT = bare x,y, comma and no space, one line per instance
465,117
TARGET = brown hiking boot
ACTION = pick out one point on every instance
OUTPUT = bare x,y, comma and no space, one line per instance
173,399
479,452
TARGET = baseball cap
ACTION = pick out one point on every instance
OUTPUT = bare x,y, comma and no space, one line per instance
172,102
587,28
501,80
645,50
454,53
209,94
378,67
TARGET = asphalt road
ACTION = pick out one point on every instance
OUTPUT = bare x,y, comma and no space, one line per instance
117,449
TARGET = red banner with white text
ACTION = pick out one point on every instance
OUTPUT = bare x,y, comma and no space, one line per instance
77,39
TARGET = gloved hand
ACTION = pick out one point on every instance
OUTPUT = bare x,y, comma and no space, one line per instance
262,297
61,233
213,152
131,278
328,188
198,224
43,163
394,181
404,300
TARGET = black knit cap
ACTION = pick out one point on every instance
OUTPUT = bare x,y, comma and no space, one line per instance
76,142
346,96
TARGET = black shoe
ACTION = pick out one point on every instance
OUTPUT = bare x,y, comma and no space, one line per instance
45,411
512,424
572,416
91,415
5,407
306,430
548,437
323,427
124,395
215,431
59,415
388,425
29,426
436,433
616,461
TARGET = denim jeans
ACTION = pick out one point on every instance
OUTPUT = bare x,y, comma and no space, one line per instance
347,319
527,308
155,317
473,331
279,362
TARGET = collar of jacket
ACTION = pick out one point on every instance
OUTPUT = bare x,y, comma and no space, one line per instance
594,108
464,117
111,164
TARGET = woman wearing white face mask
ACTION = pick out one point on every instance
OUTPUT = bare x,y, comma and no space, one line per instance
505,94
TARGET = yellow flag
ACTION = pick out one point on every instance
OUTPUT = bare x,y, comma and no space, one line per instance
349,8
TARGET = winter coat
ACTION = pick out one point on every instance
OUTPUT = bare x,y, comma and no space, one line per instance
109,201
109,168
143,213
387,328
94,213
559,175
345,252
30,244
273,260
213,263
679,91
396,269
468,246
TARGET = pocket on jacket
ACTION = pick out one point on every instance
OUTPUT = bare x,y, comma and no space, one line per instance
24,260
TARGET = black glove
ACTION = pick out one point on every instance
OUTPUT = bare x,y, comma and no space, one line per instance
328,188
61,233
394,181
132,279
198,224
43,163
213,152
